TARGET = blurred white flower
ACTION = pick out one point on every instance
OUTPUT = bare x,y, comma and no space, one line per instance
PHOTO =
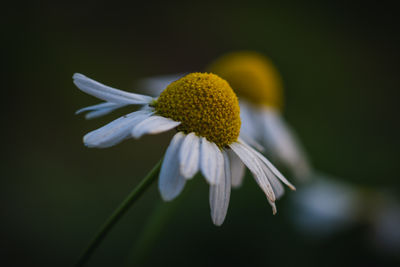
325,206
259,87
385,220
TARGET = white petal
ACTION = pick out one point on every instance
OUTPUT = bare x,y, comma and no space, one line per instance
189,155
275,183
237,169
107,93
116,131
211,161
153,125
98,113
253,163
99,109
171,182
220,194
155,85
96,107
271,167
277,186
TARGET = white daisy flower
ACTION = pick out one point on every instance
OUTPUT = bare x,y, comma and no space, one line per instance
328,206
205,112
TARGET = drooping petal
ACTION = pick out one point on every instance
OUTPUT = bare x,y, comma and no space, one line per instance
99,110
220,194
153,125
253,163
116,131
211,161
277,186
274,181
270,166
171,182
107,93
189,155
237,169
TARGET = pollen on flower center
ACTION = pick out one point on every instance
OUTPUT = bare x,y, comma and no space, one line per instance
204,104
252,76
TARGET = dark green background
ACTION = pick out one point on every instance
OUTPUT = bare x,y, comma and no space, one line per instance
339,62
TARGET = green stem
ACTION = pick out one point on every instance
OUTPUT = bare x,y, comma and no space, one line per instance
154,227
148,236
118,213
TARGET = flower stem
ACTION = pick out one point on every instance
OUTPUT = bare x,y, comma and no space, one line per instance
118,213
154,227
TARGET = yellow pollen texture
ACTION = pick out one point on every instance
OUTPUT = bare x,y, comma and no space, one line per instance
204,104
252,76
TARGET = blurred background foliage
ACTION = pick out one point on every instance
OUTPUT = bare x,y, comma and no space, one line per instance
339,61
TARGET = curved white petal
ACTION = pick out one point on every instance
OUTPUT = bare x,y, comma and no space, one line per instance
211,161
116,131
153,125
171,182
98,113
271,167
107,93
155,85
277,186
96,107
255,166
283,143
220,194
237,169
99,109
189,155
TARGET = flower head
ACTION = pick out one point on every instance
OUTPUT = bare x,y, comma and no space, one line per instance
205,104
205,112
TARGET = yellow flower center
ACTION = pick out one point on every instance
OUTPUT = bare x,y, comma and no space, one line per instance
204,104
252,76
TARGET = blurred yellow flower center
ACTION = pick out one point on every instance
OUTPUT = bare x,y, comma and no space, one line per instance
252,76
204,104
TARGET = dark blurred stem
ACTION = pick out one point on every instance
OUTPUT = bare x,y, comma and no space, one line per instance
150,233
118,213
154,227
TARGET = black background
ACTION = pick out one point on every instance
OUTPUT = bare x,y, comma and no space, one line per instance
339,62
